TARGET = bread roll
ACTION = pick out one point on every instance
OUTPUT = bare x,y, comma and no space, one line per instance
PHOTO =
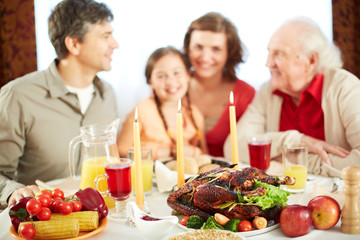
190,166
203,160
171,165
208,167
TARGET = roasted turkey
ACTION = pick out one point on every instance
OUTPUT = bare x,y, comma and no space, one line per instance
204,194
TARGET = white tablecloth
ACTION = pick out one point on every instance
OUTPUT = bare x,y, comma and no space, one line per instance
158,206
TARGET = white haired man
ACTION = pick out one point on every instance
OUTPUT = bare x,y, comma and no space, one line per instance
309,99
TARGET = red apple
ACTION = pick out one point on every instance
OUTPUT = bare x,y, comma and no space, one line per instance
295,220
325,212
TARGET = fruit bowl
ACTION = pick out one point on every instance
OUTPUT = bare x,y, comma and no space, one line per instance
150,226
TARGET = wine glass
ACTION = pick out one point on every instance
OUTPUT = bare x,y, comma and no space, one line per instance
118,178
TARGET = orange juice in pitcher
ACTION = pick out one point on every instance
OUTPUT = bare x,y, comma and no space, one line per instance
98,145
90,169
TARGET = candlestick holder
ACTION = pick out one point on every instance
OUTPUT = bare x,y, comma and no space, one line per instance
350,220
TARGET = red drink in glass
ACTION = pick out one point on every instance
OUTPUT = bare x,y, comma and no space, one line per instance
119,180
259,151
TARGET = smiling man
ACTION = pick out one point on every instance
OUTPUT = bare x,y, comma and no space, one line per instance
309,99
42,111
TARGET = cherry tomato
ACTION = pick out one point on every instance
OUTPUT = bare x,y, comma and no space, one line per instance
44,192
77,206
66,208
55,205
245,226
44,199
184,220
58,193
27,231
33,206
44,214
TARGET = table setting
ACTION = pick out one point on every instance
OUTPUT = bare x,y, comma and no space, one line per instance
156,202
137,210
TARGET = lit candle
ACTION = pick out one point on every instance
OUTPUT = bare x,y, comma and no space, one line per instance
234,145
139,189
180,147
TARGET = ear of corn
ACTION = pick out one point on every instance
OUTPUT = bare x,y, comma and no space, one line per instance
88,220
55,229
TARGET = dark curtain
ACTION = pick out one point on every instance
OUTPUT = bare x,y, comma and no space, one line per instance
346,31
17,39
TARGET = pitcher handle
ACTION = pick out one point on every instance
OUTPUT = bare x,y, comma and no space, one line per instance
72,147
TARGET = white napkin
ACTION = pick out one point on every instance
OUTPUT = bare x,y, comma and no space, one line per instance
69,185
166,179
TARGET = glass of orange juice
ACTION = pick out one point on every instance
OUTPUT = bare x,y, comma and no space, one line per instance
147,166
295,160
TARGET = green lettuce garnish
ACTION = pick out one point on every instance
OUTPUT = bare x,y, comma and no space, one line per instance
274,197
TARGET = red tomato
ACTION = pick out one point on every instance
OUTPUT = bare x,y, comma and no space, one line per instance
244,226
44,199
33,206
27,231
44,192
77,206
55,205
58,193
184,220
66,208
44,214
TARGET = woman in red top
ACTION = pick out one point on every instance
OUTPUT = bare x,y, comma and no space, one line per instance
214,50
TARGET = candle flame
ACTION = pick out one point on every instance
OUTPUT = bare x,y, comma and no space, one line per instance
231,98
179,106
136,114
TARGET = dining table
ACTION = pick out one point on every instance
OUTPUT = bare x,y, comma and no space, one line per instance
157,205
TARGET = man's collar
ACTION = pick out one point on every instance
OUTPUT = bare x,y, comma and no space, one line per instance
314,89
56,84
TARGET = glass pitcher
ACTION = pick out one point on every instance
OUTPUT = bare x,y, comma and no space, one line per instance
98,146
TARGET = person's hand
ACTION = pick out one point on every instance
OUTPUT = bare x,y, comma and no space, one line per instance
322,148
27,191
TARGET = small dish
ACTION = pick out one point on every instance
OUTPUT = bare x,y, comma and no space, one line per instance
156,229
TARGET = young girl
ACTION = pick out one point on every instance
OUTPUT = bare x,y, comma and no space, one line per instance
168,74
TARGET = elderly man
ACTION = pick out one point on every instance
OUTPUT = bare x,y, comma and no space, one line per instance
309,99
41,112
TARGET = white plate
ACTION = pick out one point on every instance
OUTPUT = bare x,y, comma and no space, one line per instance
246,234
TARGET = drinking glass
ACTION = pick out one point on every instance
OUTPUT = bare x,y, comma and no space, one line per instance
118,178
259,152
147,165
294,157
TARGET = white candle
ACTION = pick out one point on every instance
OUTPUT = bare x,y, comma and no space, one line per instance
180,147
139,189
234,144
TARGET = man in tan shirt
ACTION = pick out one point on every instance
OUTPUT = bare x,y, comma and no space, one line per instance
309,99
42,111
